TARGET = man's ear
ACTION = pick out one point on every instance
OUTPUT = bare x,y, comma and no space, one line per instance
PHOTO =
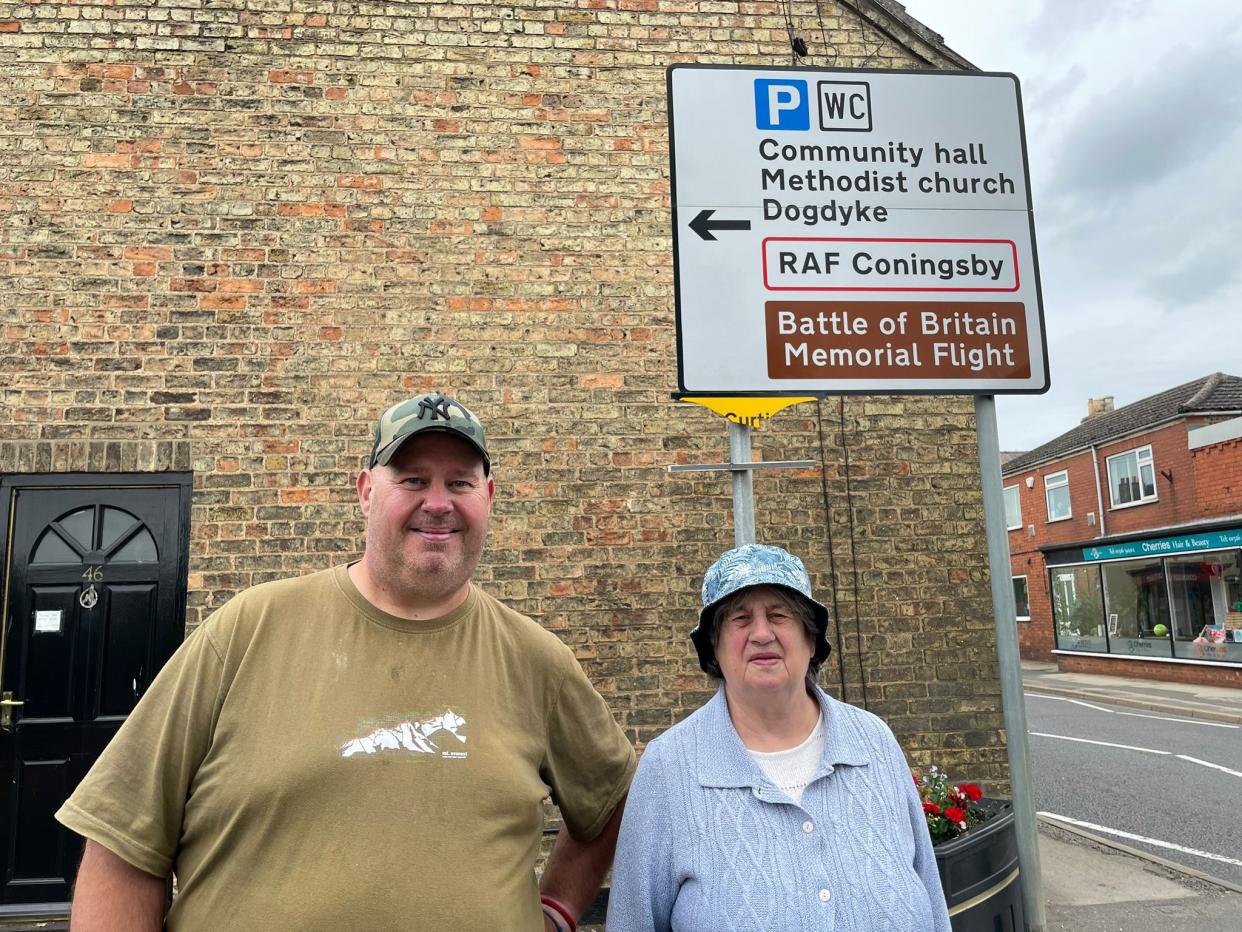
364,492
491,492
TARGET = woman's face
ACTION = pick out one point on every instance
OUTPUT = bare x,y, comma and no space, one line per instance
762,645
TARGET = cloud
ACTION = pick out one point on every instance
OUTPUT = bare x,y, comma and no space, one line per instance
1179,113
1127,348
1134,130
1058,22
1199,274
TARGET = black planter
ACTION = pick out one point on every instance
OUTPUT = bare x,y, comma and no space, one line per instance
979,873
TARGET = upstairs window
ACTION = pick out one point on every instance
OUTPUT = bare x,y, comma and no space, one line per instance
1057,495
1132,477
1013,508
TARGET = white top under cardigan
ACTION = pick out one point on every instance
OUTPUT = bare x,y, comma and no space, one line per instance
709,844
792,769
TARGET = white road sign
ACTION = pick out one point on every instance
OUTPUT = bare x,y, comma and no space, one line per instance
852,231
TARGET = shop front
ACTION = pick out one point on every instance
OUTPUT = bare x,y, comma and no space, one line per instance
1168,599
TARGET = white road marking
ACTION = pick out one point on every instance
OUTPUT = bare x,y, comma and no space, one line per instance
1107,744
1159,718
1147,841
1098,708
1131,747
1208,763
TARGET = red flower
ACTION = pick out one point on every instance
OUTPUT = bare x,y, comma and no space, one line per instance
950,809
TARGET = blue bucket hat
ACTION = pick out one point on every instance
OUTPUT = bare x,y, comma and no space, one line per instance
755,565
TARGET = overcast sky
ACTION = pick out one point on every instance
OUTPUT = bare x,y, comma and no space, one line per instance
1134,135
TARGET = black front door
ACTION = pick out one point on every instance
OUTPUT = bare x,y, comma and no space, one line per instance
94,598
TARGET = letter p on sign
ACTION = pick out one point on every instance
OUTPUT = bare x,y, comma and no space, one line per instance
782,104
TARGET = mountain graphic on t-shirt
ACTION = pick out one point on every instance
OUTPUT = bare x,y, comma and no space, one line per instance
414,737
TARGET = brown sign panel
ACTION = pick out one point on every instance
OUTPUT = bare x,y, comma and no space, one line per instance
897,340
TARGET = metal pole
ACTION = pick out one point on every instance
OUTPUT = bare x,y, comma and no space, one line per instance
743,486
1010,664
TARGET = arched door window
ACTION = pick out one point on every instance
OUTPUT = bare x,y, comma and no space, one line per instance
97,534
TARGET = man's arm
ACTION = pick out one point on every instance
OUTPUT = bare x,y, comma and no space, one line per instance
576,868
111,895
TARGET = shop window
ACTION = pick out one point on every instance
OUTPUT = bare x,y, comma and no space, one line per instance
1132,477
1021,599
1207,606
1137,602
1013,508
1057,495
1078,608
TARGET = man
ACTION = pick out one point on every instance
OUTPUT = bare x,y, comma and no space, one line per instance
366,747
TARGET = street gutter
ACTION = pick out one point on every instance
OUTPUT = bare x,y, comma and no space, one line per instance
1143,855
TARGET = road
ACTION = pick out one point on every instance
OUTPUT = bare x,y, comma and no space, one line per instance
1165,785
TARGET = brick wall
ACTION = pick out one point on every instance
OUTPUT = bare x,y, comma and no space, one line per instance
1175,502
1035,638
1076,528
1202,674
248,228
1218,478
1201,483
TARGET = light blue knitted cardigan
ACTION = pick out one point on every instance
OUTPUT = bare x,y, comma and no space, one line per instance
709,844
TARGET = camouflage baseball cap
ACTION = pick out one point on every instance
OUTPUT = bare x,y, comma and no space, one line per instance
433,411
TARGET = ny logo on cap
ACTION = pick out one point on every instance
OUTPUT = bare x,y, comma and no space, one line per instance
437,406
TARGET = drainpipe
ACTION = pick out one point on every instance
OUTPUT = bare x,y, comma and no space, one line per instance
1099,496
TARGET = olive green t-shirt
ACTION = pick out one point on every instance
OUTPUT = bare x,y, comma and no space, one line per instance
308,762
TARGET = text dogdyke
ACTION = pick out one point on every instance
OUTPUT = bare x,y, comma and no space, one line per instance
880,187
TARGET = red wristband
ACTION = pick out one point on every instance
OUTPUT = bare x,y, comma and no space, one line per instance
559,908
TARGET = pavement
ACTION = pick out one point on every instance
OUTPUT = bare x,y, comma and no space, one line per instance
1209,703
1096,884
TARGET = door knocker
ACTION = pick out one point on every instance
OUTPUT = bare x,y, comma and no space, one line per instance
89,597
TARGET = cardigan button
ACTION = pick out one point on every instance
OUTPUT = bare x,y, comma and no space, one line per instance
825,896
808,826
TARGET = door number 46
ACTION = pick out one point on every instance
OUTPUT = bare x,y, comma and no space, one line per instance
93,573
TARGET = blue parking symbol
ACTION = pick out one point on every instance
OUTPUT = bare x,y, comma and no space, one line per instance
782,104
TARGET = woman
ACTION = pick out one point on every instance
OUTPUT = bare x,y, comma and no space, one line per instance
773,808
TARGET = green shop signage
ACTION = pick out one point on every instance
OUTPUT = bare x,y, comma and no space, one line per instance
1163,546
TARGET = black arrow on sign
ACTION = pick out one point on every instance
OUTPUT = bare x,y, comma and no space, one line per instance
703,224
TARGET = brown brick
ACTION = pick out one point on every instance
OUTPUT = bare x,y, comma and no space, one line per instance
269,241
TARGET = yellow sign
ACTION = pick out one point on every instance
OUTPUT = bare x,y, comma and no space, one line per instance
745,411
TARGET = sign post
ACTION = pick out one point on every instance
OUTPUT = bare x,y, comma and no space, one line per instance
1009,660
864,232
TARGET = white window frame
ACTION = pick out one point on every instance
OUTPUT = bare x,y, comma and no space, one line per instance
1140,463
1054,481
1026,585
1017,495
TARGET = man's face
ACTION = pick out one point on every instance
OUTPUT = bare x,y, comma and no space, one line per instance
427,514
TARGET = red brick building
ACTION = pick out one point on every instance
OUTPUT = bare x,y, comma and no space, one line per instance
1125,537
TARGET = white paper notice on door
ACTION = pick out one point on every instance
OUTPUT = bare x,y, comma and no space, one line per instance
48,622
